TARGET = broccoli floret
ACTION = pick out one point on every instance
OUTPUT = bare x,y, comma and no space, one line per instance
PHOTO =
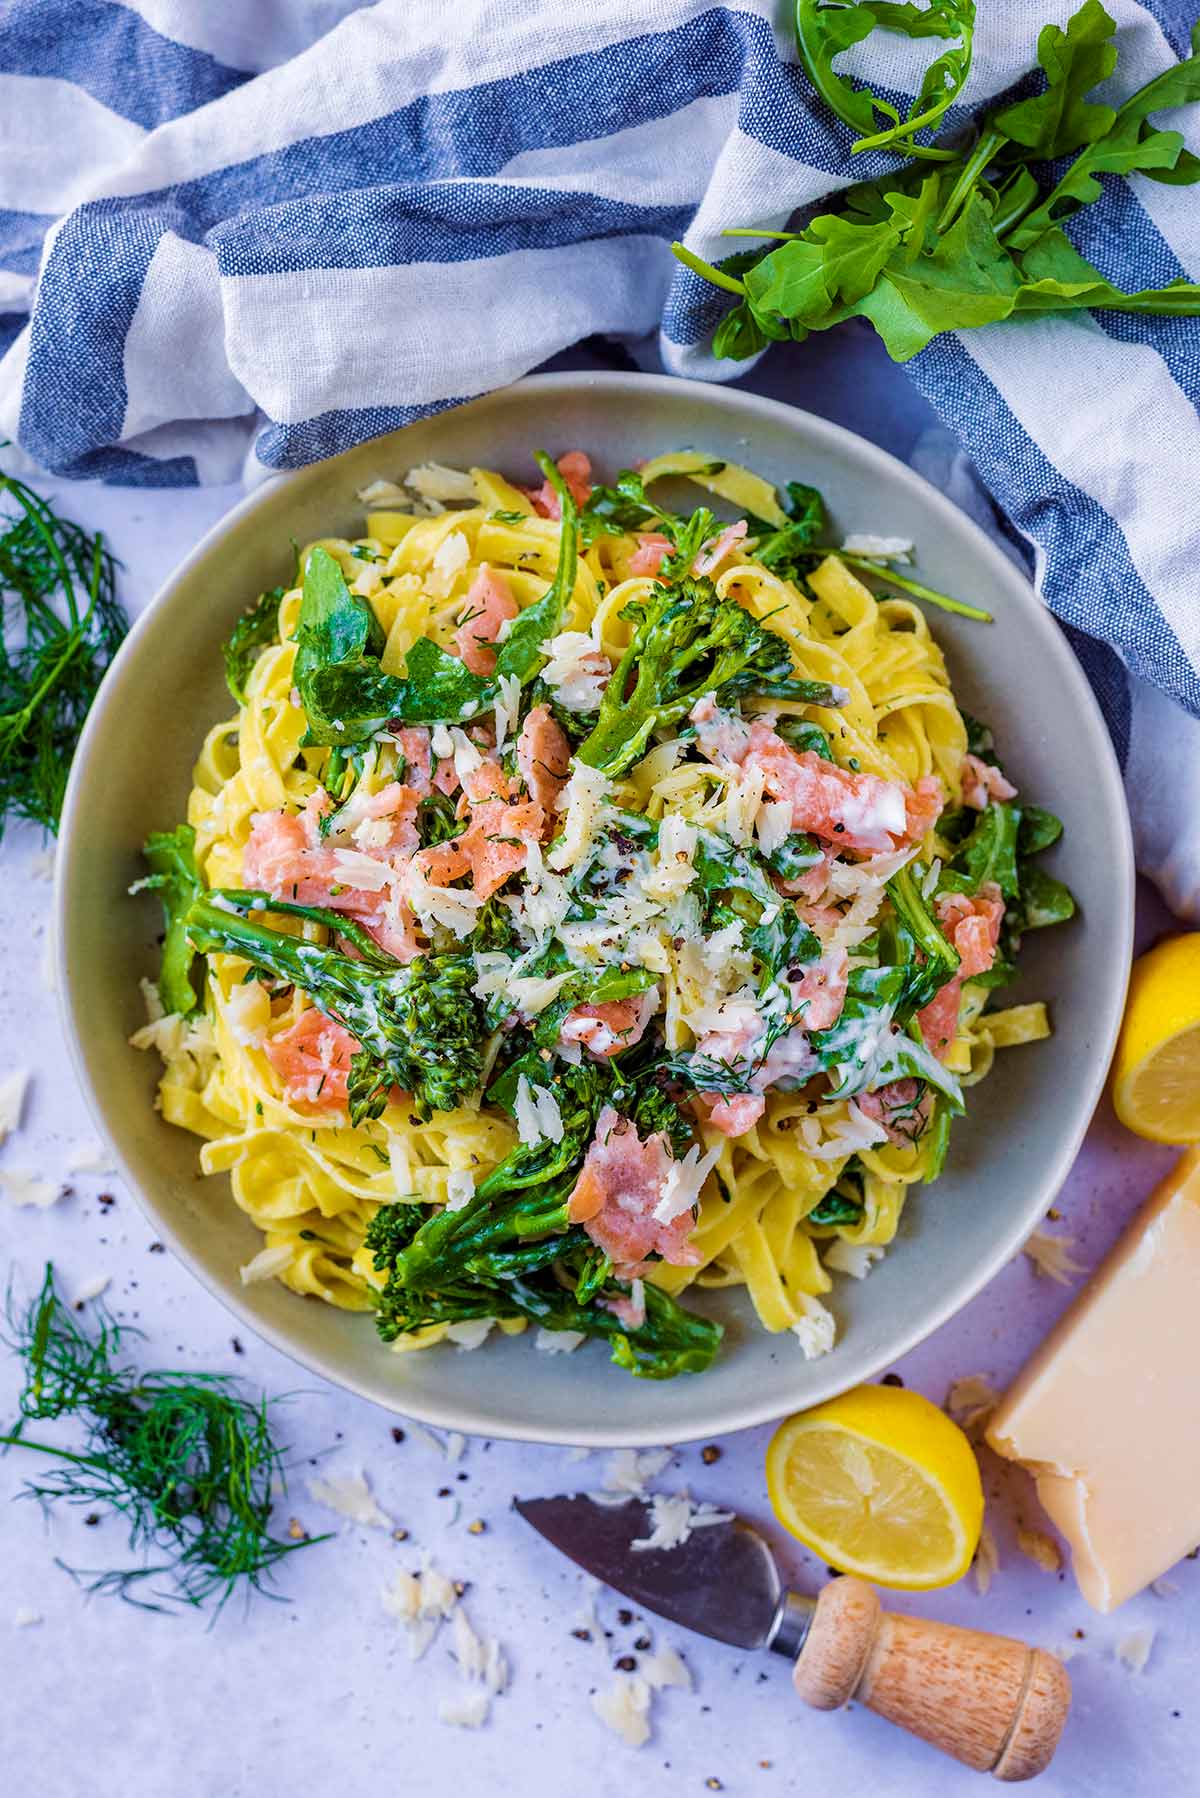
419,1025
688,642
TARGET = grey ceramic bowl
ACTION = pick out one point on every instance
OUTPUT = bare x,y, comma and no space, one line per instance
1025,1122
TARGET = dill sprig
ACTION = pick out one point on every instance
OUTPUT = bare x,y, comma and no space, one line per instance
61,628
184,1458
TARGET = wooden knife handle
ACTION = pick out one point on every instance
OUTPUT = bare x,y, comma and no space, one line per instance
990,1701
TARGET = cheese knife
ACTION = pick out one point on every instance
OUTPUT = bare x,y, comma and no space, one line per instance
990,1701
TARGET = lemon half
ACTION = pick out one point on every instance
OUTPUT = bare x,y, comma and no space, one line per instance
1156,1074
881,1483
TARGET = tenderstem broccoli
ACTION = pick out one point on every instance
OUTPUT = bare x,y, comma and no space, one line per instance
688,642
419,1024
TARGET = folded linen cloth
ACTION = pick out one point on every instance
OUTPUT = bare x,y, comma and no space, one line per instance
236,234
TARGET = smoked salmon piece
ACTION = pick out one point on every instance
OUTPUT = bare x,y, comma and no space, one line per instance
543,757
619,1185
608,1028
576,470
489,605
972,924
490,849
313,1061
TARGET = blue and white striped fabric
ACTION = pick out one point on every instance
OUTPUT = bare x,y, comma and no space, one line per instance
250,235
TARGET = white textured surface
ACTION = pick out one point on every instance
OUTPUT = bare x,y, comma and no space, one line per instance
319,1694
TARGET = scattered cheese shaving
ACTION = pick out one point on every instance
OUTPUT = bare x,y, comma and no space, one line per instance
665,1667
26,1619
13,1088
350,1496
624,1707
507,709
673,1517
91,1289
1052,1258
1039,1548
91,1158
1133,1650
580,800
864,543
987,1560
684,1179
24,1188
970,1401
629,1468
449,559
465,1710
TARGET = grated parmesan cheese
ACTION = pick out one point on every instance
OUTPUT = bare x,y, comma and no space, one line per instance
773,825
853,1258
91,1158
433,480
580,799
350,1495
685,1179
816,1328
577,669
507,708
24,1618
537,1114
460,1188
449,559
559,1342
673,1517
828,1138
453,907
884,549
471,1334
13,1088
1052,1258
266,1264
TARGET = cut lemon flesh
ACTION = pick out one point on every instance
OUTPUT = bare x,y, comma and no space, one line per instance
1156,1075
881,1483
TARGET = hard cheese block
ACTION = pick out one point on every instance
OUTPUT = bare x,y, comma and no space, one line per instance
1104,1415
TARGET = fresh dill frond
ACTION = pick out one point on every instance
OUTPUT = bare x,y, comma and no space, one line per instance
62,627
185,1458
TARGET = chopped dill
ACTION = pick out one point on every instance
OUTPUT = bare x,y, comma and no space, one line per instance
62,627
184,1458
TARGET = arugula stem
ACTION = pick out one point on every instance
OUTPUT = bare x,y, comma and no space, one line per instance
707,270
942,600
760,231
972,169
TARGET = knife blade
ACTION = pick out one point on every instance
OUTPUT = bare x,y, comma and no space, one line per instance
721,1581
990,1701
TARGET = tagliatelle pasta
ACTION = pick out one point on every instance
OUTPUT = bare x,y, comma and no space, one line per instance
775,994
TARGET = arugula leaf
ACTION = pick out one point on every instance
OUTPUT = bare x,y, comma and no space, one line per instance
1130,145
174,876
257,627
1076,60
826,28
1038,830
989,853
1043,899
863,1051
782,549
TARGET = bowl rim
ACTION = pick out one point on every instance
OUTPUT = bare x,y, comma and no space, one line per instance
742,1412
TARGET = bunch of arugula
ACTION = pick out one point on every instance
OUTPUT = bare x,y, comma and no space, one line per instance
978,237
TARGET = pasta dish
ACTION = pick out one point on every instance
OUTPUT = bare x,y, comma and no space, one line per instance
591,900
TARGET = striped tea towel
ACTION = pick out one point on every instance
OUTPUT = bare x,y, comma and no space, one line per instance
267,231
